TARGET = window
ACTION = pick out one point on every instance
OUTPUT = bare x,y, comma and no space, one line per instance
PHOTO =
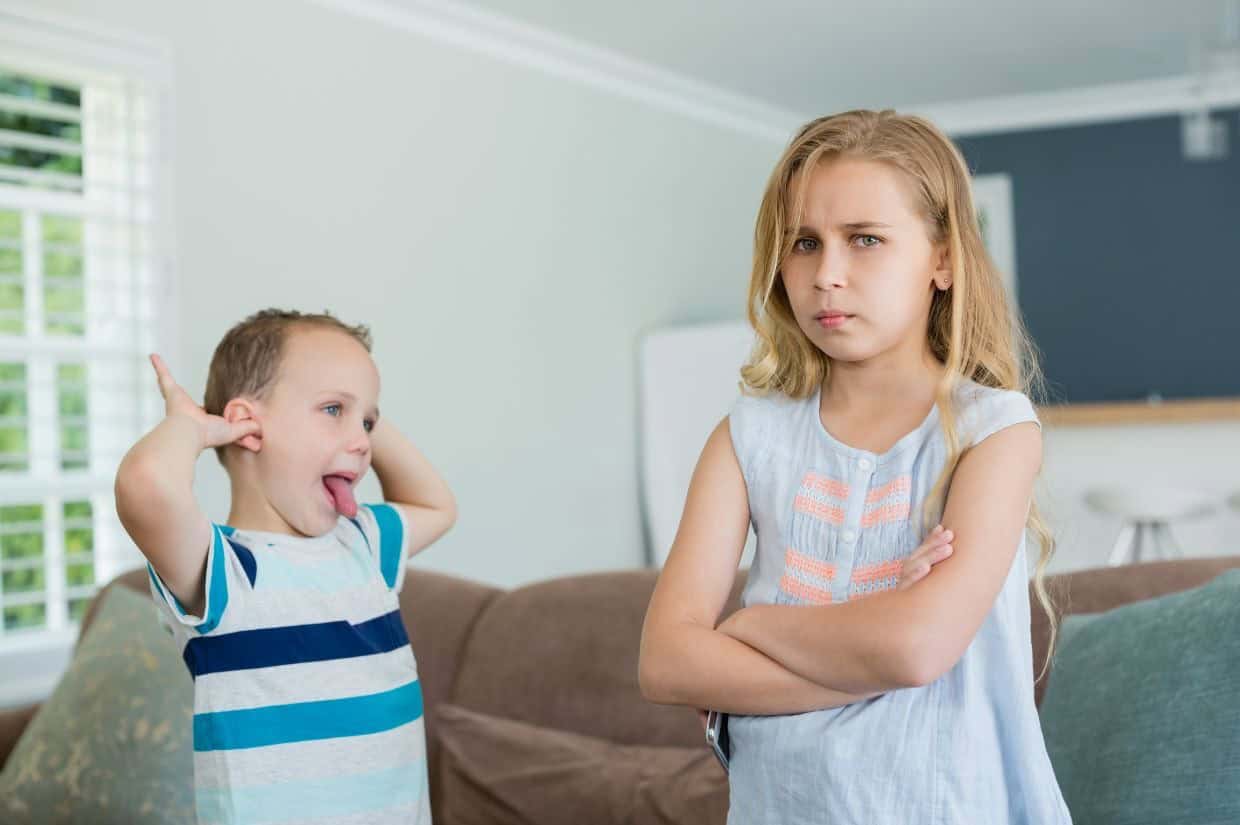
81,248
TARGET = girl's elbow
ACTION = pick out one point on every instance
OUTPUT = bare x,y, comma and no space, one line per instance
650,680
655,677
920,661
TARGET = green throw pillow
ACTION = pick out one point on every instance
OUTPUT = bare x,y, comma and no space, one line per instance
112,744
1142,713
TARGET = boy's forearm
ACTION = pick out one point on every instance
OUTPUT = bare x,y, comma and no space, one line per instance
705,668
405,475
162,463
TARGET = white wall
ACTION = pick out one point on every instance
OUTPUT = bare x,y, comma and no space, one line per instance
506,233
1202,457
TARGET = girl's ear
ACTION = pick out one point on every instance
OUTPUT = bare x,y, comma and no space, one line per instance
943,268
241,409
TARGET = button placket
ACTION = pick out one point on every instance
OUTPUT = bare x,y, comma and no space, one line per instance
860,471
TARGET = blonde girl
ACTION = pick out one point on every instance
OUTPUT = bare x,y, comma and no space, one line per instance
884,450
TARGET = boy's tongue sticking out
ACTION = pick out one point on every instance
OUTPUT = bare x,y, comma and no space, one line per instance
341,492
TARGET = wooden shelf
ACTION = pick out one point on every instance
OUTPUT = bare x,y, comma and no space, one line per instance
1142,412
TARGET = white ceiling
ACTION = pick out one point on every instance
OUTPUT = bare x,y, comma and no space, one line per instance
809,57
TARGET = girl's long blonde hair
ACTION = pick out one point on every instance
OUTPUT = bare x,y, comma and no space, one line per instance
972,329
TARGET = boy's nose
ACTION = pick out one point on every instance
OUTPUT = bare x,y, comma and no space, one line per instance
360,443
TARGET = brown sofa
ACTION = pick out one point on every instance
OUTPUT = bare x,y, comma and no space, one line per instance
562,654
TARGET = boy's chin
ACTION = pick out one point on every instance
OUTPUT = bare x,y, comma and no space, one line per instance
319,522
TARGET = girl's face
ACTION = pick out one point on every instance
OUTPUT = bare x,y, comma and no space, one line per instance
862,270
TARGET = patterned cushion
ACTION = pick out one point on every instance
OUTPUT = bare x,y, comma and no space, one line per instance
113,742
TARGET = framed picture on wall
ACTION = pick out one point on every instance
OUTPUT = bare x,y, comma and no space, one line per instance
992,195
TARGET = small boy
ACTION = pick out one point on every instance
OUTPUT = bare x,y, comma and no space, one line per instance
307,705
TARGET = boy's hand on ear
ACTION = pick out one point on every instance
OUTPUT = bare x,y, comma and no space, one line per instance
216,430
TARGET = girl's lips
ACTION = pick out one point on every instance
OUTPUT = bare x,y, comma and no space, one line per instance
832,320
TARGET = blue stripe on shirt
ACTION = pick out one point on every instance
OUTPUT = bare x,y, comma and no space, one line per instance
304,800
391,537
216,587
305,721
294,644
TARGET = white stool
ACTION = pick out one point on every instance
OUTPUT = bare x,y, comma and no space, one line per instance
1147,513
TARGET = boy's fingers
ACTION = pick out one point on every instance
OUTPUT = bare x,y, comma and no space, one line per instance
241,429
162,376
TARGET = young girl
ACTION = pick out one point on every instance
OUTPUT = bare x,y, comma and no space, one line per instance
884,431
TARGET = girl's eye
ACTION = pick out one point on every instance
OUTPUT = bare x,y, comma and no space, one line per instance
805,245
867,241
368,424
332,409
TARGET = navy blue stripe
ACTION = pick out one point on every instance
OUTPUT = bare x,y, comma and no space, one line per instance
273,646
304,721
358,525
247,560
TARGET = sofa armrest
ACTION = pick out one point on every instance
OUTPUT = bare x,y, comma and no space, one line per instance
13,722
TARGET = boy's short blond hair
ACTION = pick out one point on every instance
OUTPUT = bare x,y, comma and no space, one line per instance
248,356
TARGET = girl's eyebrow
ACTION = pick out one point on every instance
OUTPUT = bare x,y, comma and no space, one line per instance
865,225
854,226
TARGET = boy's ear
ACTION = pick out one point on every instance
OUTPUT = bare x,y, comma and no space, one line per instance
243,409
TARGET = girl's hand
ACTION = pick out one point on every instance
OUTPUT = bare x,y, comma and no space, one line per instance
933,550
216,431
702,715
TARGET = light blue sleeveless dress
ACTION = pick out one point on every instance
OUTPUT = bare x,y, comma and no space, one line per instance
833,523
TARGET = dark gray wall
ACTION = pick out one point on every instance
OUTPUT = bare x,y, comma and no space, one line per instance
1127,257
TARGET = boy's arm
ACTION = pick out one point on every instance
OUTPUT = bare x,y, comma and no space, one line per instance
154,490
684,660
411,484
912,637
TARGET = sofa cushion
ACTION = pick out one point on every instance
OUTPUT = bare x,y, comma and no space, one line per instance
500,771
112,742
1142,713
563,654
1093,591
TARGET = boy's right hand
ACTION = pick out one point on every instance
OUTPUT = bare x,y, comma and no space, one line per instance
216,431
933,550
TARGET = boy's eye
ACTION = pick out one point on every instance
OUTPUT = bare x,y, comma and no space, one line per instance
805,245
867,240
332,409
368,424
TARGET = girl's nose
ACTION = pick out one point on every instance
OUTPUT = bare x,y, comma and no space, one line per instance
831,270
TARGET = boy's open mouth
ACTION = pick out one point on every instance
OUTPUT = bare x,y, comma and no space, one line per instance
340,491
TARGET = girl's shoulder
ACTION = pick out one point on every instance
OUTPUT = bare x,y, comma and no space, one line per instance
982,411
755,422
